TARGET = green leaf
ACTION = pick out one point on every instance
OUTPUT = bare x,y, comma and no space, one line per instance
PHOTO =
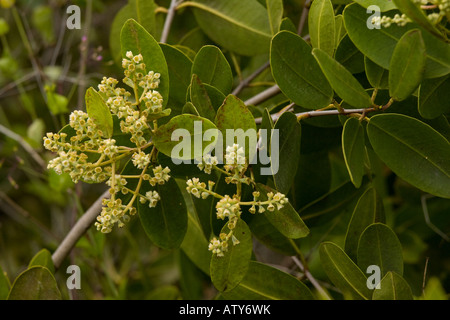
234,117
190,109
413,150
35,283
211,66
229,270
5,285
342,81
297,73
167,292
433,97
378,44
44,259
378,77
417,15
136,39
368,210
99,112
383,5
275,11
393,287
165,224
434,290
200,99
287,25
195,245
143,11
343,272
349,56
56,103
340,31
407,65
333,202
289,131
245,31
378,245
179,67
321,25
263,282
192,145
286,220
354,150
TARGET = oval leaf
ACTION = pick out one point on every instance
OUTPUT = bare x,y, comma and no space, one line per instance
211,66
297,73
343,272
353,148
35,283
288,149
378,245
275,11
234,118
245,31
321,25
136,39
200,99
393,287
165,224
407,65
286,220
342,81
44,259
434,95
378,44
263,282
99,112
229,270
179,67
413,150
368,210
182,137
378,77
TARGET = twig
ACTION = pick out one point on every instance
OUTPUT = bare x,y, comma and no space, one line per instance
24,145
311,278
303,17
263,96
169,20
426,215
425,275
244,83
77,231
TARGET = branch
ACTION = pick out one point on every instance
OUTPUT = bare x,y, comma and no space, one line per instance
264,95
24,145
250,78
77,231
311,278
169,20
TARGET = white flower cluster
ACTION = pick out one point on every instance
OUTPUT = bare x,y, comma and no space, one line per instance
277,200
160,175
235,158
385,21
113,212
207,162
152,197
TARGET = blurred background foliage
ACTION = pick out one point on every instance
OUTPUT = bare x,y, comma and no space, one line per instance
45,69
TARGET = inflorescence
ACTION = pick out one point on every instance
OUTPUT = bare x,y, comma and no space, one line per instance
86,154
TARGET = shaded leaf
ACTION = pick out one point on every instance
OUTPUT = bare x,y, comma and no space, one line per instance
368,210
99,112
378,77
165,224
228,271
263,282
5,285
353,148
245,31
211,66
35,283
286,220
200,99
275,11
136,39
433,97
349,56
342,81
378,245
321,25
343,272
413,150
407,65
44,259
297,73
393,287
